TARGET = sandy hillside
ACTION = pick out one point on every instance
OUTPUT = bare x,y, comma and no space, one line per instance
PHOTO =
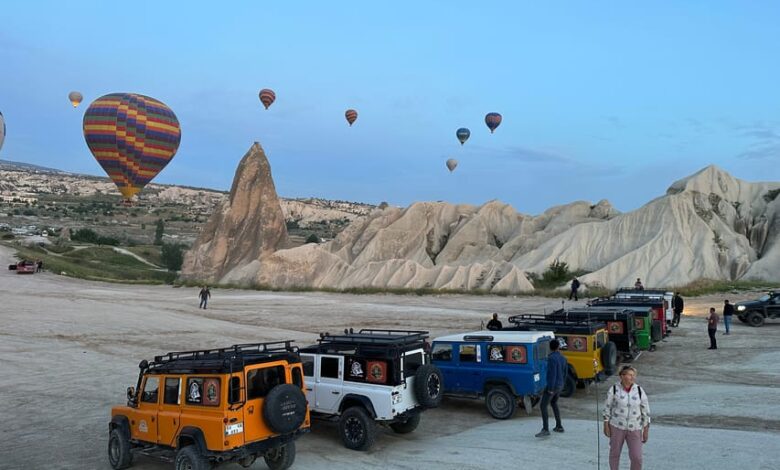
70,348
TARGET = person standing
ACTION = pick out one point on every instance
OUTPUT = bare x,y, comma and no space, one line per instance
575,284
712,327
205,295
557,367
728,312
677,306
494,324
626,419
638,284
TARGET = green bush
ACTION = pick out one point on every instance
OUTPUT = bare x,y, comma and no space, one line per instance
557,272
172,256
313,238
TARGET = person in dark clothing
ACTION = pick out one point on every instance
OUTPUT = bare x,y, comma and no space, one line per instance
638,284
39,266
575,284
494,324
557,367
204,295
677,306
712,327
728,311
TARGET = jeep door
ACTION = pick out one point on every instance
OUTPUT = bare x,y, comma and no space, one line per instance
469,378
329,383
773,307
169,415
145,427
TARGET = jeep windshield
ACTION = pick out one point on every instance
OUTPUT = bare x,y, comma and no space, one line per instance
764,298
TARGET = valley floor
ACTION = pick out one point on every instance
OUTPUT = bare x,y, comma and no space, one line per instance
70,348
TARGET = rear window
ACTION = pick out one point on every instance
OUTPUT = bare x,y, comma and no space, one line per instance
442,352
542,350
308,365
203,391
411,363
508,353
468,352
260,381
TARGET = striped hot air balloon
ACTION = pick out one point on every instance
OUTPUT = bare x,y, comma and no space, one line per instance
2,130
452,164
267,97
463,135
75,98
351,116
493,120
132,136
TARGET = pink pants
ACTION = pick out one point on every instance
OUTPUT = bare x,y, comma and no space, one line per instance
634,441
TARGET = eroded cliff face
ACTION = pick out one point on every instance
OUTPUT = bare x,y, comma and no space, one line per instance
248,226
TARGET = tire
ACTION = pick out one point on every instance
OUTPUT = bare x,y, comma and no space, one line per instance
284,408
357,429
609,357
742,318
569,385
405,427
656,331
754,319
119,455
189,458
428,386
280,458
500,402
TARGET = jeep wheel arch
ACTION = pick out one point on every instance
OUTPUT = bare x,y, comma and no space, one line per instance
284,408
121,422
191,458
191,435
350,400
429,385
755,318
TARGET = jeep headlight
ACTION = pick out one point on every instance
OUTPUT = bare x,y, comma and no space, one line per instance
396,397
741,308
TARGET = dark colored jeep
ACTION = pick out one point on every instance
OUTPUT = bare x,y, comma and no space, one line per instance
621,325
755,312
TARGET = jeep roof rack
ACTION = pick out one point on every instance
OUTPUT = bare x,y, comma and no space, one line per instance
556,324
596,313
634,300
648,291
367,339
224,359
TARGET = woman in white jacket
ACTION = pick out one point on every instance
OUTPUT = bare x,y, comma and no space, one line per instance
626,419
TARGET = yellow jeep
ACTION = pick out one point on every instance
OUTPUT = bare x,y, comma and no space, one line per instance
586,346
202,408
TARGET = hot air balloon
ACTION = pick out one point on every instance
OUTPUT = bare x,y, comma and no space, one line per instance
75,98
267,97
463,135
452,164
2,130
492,120
132,136
351,116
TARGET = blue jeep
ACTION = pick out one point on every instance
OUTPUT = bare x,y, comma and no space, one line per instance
504,367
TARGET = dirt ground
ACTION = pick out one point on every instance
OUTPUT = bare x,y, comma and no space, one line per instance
70,348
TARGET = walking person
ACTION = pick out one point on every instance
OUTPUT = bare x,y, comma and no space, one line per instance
728,312
557,367
626,419
575,284
205,295
677,305
712,327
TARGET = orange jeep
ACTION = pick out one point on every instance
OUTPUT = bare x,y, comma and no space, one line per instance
201,408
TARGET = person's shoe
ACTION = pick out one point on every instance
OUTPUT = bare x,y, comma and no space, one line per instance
710,347
543,433
558,429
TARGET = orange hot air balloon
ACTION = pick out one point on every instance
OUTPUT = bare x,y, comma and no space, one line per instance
351,116
267,97
75,98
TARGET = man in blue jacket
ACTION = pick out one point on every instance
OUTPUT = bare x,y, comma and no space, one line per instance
556,370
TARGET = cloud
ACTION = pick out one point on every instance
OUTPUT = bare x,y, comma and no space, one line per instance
761,152
766,141
524,154
615,121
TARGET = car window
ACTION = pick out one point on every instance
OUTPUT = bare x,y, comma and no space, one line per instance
203,391
297,377
764,298
151,387
468,352
308,365
411,363
509,353
329,367
542,350
172,385
601,339
442,352
260,381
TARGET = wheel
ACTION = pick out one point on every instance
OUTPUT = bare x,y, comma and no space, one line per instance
284,408
609,358
119,455
754,319
428,388
357,429
405,427
500,403
569,385
656,331
280,458
189,458
742,318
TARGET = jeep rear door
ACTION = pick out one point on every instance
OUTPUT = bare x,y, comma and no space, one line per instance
329,383
260,379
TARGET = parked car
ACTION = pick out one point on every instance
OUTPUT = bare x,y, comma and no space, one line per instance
202,408
503,367
648,328
586,346
25,267
620,322
756,312
368,378
667,309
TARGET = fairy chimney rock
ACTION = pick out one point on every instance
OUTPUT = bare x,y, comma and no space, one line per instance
248,226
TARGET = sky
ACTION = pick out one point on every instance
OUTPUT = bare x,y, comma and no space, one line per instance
600,100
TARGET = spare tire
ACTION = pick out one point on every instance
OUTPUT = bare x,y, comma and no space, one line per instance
284,408
569,383
609,358
428,385
656,331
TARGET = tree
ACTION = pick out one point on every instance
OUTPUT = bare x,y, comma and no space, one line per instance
172,256
158,232
558,271
313,238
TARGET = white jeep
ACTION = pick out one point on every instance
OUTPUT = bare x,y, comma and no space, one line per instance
370,377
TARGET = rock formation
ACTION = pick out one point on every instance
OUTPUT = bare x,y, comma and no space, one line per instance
248,226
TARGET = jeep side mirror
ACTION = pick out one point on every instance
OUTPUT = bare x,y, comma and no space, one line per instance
130,393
